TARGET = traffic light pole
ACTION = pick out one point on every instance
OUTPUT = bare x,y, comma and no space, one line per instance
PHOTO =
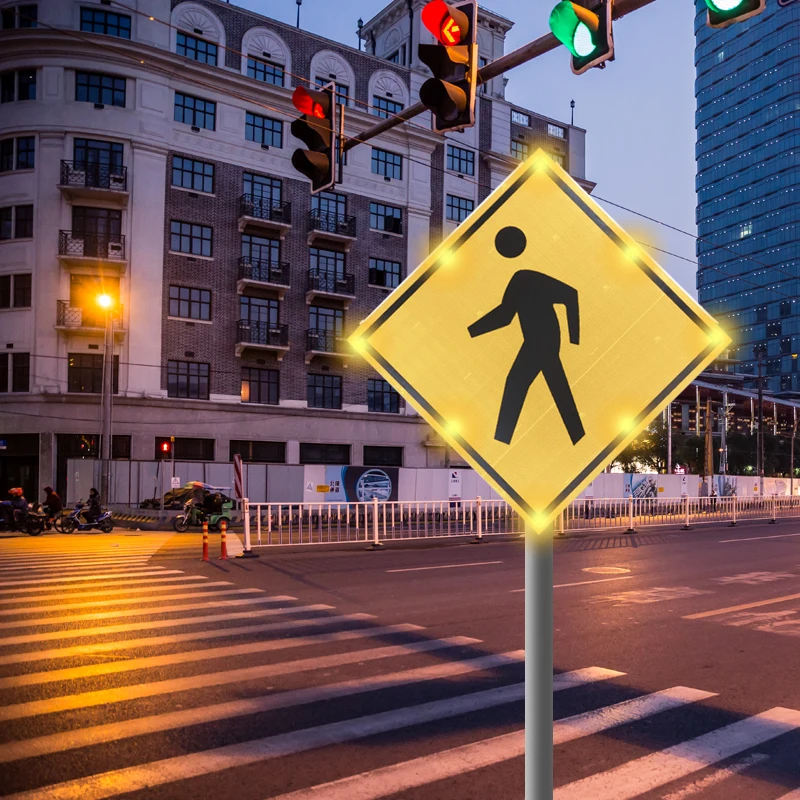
538,47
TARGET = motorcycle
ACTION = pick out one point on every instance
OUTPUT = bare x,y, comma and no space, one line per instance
31,521
73,521
195,516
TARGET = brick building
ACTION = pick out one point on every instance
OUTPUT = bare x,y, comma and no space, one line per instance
145,153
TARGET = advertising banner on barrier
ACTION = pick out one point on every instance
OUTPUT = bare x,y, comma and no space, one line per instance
641,486
454,491
361,484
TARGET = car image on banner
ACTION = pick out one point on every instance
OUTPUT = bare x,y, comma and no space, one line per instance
361,484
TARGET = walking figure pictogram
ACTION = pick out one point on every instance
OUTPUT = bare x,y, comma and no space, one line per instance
533,296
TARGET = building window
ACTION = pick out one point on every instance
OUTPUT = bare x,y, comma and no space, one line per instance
19,85
16,222
196,49
460,160
107,90
265,71
390,165
19,17
520,118
458,208
398,57
555,130
384,273
482,62
326,262
745,229
186,237
85,373
329,204
187,379
375,456
559,159
761,313
258,452
260,386
326,320
786,345
342,91
25,149
186,449
786,308
15,291
382,397
104,157
259,311
15,372
323,453
189,303
324,391
383,107
259,249
264,130
195,112
96,20
519,150
188,173
773,330
786,383
267,190
385,218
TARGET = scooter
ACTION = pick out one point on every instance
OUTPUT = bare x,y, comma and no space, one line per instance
73,521
30,522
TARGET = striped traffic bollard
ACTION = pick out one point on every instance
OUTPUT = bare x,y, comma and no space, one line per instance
205,542
224,529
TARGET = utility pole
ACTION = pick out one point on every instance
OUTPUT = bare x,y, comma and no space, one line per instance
669,439
791,456
723,455
760,439
108,389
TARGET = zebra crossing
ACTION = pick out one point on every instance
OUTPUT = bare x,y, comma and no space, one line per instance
121,676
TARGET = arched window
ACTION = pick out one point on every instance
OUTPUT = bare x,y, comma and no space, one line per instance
266,57
198,34
327,67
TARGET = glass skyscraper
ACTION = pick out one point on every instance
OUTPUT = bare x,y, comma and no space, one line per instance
748,186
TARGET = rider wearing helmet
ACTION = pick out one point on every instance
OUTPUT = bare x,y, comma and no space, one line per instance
14,508
95,509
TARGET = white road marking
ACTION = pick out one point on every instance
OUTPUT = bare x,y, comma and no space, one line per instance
189,656
103,577
644,774
754,578
756,604
606,570
584,583
467,758
122,694
445,566
128,582
121,601
658,594
156,641
116,731
159,773
717,776
578,677
85,565
139,612
105,630
757,538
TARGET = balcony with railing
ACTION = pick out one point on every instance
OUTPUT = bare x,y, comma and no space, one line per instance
328,227
263,277
79,250
323,342
83,180
263,213
79,321
339,286
262,336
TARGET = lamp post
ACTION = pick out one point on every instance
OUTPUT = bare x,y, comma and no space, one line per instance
106,302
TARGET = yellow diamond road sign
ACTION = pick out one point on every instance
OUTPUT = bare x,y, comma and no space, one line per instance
539,339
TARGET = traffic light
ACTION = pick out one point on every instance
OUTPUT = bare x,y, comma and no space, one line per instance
165,448
722,13
316,128
450,94
586,33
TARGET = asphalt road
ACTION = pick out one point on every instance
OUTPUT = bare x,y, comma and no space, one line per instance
128,667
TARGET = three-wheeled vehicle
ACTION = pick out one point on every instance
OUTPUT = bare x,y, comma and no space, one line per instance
215,507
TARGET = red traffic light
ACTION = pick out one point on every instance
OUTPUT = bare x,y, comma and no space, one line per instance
447,24
165,447
305,103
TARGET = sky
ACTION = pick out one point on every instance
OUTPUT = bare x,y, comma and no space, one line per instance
638,112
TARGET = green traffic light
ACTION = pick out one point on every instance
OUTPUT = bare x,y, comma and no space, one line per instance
575,28
724,5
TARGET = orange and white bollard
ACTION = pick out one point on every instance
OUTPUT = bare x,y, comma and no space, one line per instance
223,526
205,542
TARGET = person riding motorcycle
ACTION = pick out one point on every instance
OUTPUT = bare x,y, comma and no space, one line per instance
94,509
53,503
15,508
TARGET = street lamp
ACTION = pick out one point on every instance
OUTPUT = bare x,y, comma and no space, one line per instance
106,302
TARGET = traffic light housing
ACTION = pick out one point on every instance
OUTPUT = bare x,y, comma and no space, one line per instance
164,448
586,32
722,13
451,93
316,129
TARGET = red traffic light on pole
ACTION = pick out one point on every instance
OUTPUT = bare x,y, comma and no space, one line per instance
586,32
316,129
722,13
451,93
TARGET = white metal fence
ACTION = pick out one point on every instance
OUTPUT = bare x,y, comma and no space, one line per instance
274,524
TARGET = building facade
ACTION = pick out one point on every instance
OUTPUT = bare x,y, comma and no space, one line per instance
145,155
748,187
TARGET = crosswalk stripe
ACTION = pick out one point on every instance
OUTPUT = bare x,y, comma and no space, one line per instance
78,558
717,776
119,583
120,601
105,576
112,732
657,769
580,676
138,612
95,592
86,566
105,630
159,773
171,686
189,656
153,641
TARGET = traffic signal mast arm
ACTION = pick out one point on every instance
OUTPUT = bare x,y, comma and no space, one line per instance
538,47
